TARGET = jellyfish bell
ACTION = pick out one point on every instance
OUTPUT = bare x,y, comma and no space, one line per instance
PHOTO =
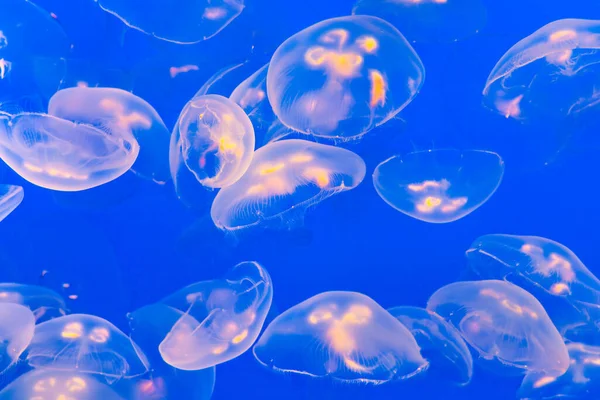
504,324
284,179
43,302
439,186
16,333
342,77
10,198
441,344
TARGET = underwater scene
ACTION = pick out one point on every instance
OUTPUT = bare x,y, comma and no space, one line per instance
299,200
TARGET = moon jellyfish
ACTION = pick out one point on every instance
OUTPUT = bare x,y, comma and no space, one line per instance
43,302
16,331
119,110
551,73
345,336
441,344
66,156
428,20
10,198
188,21
221,319
286,178
439,186
506,325
86,344
57,385
149,326
342,77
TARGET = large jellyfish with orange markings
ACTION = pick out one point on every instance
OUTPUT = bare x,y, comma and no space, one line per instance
342,77
439,186
504,324
552,73
344,336
283,180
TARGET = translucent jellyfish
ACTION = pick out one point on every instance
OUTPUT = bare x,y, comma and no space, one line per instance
221,318
551,73
428,20
212,144
439,186
441,344
345,336
10,198
16,332
86,344
342,77
45,303
57,385
62,155
189,21
283,180
506,325
119,110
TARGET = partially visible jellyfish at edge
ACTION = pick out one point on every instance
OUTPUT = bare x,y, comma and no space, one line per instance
43,302
10,198
17,325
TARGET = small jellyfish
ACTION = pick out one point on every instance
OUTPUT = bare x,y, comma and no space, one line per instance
188,21
439,21
441,344
43,302
342,77
553,73
506,325
86,344
57,385
285,178
212,142
17,325
66,156
10,198
119,110
221,319
439,186
345,336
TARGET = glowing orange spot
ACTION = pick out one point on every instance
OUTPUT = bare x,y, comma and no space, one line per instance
565,34
378,88
543,381
269,169
239,338
301,158
318,175
174,71
559,288
368,43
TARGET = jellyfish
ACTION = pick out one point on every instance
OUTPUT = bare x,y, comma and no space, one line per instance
441,344
57,385
119,110
504,324
342,77
283,180
16,331
550,74
439,21
10,198
189,21
43,302
221,319
439,186
66,156
86,344
344,336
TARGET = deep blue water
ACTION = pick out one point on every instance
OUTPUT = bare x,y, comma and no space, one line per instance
132,242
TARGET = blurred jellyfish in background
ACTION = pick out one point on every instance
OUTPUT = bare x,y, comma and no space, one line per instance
439,21
43,302
439,186
344,336
149,326
441,344
283,180
541,265
188,21
342,77
58,154
504,324
10,198
219,319
551,74
57,385
86,344
16,331
119,110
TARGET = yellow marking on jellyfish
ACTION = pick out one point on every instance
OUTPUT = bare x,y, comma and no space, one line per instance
226,145
315,56
565,34
219,350
336,36
73,330
357,315
565,269
419,187
339,338
33,168
454,205
320,176
257,189
344,64
268,169
99,335
239,338
318,315
490,293
517,309
543,381
368,44
560,58
125,120
75,384
378,88
354,366
560,288
429,204
300,158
